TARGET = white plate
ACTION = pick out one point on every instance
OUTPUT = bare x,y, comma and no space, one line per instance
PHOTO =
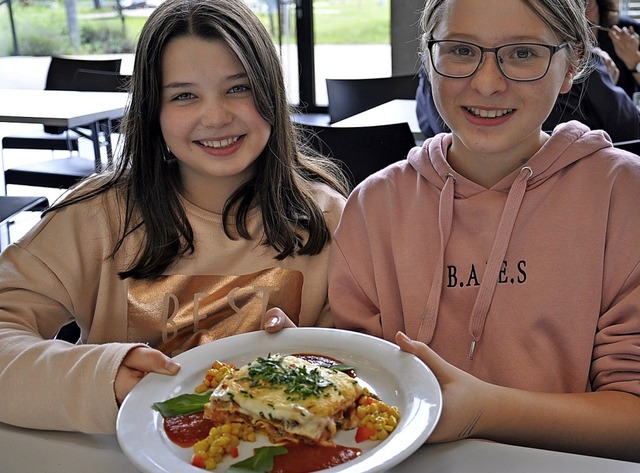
400,379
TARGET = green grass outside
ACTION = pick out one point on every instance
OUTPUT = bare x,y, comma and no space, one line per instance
42,27
352,22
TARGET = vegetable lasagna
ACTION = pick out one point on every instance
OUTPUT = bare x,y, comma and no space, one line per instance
288,398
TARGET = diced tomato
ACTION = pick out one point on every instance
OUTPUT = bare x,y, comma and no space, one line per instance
364,433
197,461
234,452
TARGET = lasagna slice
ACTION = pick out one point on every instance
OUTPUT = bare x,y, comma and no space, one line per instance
288,398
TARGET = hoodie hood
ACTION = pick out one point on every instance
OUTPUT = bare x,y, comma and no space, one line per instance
569,143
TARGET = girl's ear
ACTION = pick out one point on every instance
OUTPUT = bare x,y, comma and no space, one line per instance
567,83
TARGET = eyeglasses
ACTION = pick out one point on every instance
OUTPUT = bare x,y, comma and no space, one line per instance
521,62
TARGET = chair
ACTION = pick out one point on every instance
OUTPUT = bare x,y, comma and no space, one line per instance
350,96
632,146
55,173
63,74
361,151
99,81
10,206
69,332
88,80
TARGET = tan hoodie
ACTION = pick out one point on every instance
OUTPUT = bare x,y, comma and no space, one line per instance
61,270
532,284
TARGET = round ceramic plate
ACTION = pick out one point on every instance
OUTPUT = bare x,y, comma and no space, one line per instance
398,378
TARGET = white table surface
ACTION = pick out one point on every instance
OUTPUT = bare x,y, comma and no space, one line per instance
63,108
32,451
60,107
395,111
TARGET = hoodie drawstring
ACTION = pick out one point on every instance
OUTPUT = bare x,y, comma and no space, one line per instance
494,264
445,219
496,258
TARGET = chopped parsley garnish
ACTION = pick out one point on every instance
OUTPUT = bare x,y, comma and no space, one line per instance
297,381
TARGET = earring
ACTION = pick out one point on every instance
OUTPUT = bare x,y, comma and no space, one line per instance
168,156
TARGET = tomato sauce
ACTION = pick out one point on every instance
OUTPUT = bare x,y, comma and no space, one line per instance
187,430
302,458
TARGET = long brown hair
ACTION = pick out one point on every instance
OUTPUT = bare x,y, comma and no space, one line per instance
148,182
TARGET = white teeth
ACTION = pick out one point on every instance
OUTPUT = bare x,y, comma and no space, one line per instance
489,113
221,143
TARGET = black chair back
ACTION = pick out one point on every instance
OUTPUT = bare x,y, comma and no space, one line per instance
361,151
632,146
350,96
62,71
100,81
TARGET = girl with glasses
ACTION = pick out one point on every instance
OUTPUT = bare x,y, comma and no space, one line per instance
506,258
597,102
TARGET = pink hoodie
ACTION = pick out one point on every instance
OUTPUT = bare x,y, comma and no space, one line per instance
533,284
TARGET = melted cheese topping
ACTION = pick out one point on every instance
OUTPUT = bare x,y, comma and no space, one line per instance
300,397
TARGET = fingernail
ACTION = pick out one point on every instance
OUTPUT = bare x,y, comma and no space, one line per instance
404,336
171,366
272,322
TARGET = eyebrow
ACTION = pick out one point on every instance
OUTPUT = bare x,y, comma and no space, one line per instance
176,85
231,78
239,75
507,40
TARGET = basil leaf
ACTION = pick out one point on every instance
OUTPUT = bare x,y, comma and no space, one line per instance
260,462
341,367
182,405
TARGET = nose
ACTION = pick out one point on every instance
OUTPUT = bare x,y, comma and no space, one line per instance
215,114
488,78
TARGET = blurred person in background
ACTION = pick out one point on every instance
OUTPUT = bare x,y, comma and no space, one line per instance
617,41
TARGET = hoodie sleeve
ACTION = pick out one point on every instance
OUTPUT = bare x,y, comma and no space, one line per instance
59,271
616,352
354,306
47,383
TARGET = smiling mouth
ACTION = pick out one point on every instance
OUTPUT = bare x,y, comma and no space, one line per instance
221,143
488,113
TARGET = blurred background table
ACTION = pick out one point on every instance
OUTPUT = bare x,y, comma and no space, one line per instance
62,108
395,111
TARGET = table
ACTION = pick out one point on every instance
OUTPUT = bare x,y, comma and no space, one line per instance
68,109
395,111
28,451
10,206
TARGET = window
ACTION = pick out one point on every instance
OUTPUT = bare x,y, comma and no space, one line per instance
321,39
